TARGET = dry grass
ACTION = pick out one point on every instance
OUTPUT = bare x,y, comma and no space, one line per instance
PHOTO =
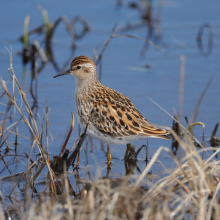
190,191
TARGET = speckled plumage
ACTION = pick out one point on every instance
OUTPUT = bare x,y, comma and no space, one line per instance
111,116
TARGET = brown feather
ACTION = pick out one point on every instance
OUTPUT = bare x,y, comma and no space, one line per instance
81,60
120,113
109,111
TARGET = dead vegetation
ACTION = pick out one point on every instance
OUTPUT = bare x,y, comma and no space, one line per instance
189,191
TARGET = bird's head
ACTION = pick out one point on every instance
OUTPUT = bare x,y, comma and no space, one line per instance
81,67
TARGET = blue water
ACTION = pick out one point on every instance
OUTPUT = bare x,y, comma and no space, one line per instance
123,69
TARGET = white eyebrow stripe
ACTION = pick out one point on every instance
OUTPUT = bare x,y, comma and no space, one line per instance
87,65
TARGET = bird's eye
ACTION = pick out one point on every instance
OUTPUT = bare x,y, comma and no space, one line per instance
78,67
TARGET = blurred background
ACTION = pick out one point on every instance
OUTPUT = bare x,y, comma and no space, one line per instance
61,30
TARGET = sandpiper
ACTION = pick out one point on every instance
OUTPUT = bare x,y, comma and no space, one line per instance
111,117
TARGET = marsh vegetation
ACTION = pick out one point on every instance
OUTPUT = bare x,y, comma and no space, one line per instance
41,177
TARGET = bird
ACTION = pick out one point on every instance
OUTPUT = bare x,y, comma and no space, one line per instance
108,115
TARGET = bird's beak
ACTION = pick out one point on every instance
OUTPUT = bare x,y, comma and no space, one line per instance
63,73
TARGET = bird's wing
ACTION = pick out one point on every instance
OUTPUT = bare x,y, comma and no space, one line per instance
120,118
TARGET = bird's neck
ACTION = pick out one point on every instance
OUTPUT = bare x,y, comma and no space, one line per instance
86,86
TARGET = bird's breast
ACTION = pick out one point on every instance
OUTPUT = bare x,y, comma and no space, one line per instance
83,110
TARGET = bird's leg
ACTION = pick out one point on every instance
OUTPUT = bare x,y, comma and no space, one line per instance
109,157
108,171
127,151
78,159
